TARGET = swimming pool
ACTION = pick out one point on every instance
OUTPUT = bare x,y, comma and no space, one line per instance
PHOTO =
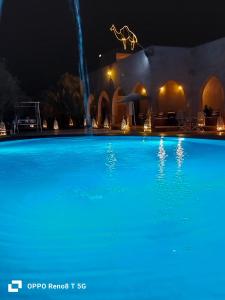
133,218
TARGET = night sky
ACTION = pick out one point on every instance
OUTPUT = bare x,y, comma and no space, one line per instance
38,41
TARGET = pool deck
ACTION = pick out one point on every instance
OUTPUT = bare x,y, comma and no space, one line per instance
106,132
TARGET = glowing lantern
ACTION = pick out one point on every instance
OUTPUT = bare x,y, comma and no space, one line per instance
71,124
201,119
106,123
2,129
148,125
45,124
109,74
128,125
94,124
162,89
180,88
220,124
56,125
125,125
144,92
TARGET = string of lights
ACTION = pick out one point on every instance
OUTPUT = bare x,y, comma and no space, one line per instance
125,35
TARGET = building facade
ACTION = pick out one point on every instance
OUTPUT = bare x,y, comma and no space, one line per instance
169,80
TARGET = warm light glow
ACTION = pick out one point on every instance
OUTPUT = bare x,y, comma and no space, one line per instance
148,125
125,35
143,92
109,73
71,124
201,119
56,125
2,129
180,88
125,126
100,56
94,124
45,124
220,124
106,123
162,89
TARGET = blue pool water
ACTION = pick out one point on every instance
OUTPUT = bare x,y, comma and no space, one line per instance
133,218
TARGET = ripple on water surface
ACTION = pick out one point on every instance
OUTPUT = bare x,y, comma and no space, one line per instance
132,217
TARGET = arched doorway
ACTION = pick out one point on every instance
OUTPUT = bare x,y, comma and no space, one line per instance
171,98
141,106
119,109
104,108
213,96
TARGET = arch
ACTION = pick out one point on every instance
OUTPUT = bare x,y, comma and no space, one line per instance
140,89
104,107
213,95
118,109
171,98
142,106
118,93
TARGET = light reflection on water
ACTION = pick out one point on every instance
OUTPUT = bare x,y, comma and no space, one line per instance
180,153
162,158
110,158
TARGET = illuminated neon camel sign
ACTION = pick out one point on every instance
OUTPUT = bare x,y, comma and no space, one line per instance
125,35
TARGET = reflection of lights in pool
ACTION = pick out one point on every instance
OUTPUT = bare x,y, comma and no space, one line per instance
162,158
110,158
180,153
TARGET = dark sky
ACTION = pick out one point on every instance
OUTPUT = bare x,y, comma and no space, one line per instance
37,37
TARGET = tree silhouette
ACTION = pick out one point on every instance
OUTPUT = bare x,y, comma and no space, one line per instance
10,93
65,101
